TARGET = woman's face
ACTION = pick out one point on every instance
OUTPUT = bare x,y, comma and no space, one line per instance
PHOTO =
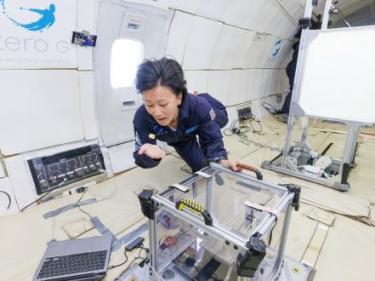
162,104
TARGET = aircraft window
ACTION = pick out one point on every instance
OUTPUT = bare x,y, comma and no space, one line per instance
125,57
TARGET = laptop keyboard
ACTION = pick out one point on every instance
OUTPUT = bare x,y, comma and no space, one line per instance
62,265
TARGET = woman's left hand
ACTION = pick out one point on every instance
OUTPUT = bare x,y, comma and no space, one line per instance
231,164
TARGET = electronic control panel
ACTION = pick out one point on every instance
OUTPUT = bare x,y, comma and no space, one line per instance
54,171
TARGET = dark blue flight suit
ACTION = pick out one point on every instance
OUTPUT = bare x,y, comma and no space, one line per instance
200,115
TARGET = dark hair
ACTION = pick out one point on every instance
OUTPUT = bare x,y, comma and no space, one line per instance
164,72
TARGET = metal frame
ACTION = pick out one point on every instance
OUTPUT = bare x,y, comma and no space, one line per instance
284,205
283,163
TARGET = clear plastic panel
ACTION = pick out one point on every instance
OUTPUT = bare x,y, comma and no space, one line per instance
225,196
183,245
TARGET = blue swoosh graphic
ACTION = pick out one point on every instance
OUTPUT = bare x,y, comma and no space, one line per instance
46,20
277,48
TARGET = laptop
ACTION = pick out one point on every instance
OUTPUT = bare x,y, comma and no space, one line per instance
80,259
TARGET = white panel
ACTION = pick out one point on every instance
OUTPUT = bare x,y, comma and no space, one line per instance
27,41
8,204
338,78
21,180
41,110
239,12
218,84
282,85
86,21
213,9
56,149
238,91
197,80
244,48
223,54
188,6
121,157
285,27
256,55
275,15
231,47
268,82
87,97
178,35
268,17
294,7
201,42
254,78
257,15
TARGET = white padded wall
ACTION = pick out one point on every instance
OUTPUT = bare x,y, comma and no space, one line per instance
187,6
233,43
218,84
237,51
42,111
277,21
239,12
87,104
282,82
265,82
197,80
205,9
121,157
202,40
265,12
238,90
295,8
178,35
255,58
255,81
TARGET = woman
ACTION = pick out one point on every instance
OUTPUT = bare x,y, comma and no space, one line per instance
172,115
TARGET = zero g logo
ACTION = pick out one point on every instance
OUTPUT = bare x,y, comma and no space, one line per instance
44,19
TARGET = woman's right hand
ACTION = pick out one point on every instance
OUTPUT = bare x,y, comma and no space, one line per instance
151,150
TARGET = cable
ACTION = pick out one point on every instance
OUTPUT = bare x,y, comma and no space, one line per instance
230,131
127,259
270,108
243,127
260,128
79,207
120,264
278,114
36,201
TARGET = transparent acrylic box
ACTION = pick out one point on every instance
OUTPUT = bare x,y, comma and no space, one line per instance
219,225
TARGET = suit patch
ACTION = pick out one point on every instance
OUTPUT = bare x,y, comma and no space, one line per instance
190,130
137,141
212,114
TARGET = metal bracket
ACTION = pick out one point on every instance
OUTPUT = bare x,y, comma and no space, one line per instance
297,192
147,204
304,23
180,187
247,263
203,174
